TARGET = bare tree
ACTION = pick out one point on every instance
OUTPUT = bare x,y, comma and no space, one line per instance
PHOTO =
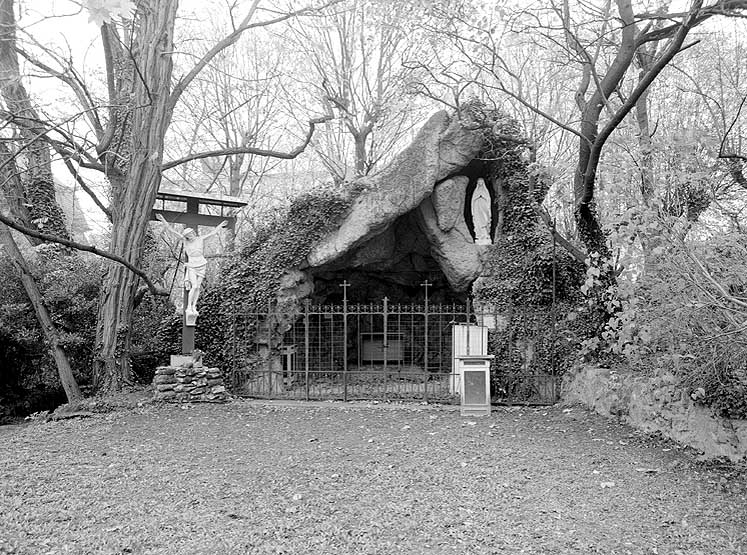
235,103
357,53
127,144
602,40
10,186
38,192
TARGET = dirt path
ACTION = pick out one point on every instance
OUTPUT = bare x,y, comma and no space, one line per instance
346,479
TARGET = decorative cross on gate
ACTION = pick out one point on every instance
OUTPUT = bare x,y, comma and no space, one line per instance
426,284
344,286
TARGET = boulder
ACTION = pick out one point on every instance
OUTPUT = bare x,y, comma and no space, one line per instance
442,147
454,250
448,202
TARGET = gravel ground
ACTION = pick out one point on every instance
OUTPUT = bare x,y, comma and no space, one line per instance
333,478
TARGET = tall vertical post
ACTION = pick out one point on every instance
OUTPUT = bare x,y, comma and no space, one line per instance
553,317
344,286
306,345
469,325
385,348
268,360
425,285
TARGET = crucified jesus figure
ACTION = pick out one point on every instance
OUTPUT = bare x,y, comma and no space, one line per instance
194,269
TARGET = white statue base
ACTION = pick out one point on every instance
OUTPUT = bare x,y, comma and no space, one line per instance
180,360
483,242
190,317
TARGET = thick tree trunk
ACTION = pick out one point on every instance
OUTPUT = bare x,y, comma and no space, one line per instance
590,148
72,392
587,220
134,190
117,298
39,182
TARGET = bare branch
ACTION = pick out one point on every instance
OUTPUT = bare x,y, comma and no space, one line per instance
673,48
231,39
82,247
733,155
74,82
76,175
251,150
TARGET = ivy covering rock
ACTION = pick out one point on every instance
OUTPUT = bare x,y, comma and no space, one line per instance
332,228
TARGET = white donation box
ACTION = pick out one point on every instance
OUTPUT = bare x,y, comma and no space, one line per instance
475,394
465,340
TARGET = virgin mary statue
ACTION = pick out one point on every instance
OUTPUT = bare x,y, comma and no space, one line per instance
481,213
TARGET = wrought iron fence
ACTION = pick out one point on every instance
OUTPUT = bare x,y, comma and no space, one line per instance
375,351
384,351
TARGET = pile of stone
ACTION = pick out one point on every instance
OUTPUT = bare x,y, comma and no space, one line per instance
189,384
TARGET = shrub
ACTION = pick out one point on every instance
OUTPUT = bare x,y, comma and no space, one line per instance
70,286
693,302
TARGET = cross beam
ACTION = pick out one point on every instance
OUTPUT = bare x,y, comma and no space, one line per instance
193,219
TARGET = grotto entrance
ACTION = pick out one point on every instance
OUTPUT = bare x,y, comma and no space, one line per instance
348,351
382,320
378,324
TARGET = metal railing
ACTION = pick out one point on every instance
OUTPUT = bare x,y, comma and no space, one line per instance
384,351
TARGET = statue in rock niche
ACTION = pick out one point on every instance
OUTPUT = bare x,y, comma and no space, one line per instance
481,213
196,265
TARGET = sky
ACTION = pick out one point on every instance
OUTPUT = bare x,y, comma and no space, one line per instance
65,25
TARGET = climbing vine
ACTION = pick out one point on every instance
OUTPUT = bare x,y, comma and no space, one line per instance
528,280
251,280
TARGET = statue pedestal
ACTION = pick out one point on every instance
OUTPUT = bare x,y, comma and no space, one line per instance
184,384
180,360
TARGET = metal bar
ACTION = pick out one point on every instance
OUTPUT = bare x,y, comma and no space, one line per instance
425,347
425,338
268,359
233,351
510,363
306,345
553,317
469,325
358,327
345,341
385,346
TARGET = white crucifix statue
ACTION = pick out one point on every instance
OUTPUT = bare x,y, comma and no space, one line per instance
481,213
172,210
196,265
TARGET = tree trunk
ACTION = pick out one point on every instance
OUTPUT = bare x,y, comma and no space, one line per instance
361,156
40,189
134,189
12,189
646,148
72,392
587,220
11,195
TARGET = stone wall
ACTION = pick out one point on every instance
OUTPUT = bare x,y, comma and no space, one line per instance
656,404
189,384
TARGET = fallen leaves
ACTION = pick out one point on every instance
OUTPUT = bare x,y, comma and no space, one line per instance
253,478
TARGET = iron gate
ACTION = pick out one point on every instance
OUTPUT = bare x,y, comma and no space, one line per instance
383,352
